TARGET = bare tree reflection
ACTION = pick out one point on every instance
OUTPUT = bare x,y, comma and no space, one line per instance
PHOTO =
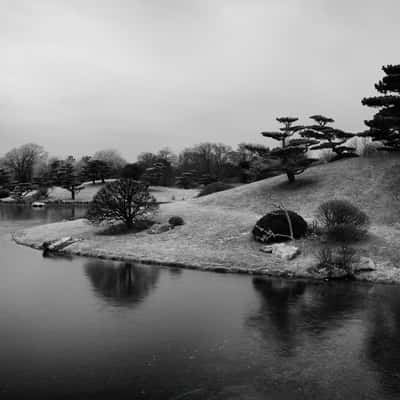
123,284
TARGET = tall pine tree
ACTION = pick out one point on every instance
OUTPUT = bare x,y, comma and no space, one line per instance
385,125
330,138
291,156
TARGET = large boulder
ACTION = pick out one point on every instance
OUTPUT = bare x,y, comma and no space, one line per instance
274,227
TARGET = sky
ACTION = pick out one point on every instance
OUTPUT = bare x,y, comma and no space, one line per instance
77,76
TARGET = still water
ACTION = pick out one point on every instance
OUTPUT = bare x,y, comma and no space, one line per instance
78,328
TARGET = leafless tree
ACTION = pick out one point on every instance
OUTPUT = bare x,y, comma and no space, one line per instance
22,160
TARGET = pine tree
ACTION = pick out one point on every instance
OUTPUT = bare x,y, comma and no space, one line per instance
291,156
5,178
68,178
329,137
186,180
385,125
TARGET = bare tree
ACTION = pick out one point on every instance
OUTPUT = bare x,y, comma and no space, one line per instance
124,200
22,160
111,157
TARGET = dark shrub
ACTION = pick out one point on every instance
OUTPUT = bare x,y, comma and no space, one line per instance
274,227
214,187
342,221
176,221
4,193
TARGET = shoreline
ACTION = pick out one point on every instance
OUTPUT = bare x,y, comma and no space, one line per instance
213,248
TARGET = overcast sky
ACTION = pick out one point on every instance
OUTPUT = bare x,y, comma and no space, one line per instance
77,76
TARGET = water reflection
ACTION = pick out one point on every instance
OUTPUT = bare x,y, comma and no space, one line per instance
290,309
18,212
121,284
383,343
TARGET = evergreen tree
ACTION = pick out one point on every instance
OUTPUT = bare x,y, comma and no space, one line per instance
291,156
187,180
5,178
385,125
96,169
329,137
68,178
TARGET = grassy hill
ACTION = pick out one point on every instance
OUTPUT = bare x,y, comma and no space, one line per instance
373,184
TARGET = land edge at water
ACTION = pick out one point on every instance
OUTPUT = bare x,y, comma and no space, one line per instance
210,268
216,235
284,272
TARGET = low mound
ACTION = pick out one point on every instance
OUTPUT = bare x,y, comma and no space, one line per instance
372,184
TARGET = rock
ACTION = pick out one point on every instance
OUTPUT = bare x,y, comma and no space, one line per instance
159,228
365,264
274,227
282,250
59,244
266,249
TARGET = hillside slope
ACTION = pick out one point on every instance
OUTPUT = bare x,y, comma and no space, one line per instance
373,184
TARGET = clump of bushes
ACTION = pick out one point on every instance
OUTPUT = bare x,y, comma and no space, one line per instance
4,193
337,262
278,226
214,187
342,221
176,221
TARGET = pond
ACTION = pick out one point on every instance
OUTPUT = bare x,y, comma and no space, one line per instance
79,328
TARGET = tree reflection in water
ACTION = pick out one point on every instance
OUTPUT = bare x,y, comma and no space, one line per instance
383,342
291,309
121,284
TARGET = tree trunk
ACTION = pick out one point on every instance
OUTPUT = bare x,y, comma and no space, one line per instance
73,194
290,176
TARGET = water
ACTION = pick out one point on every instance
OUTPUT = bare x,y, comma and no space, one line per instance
77,328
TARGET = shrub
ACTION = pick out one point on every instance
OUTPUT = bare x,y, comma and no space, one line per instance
4,193
337,261
274,227
123,200
214,187
314,229
176,221
342,221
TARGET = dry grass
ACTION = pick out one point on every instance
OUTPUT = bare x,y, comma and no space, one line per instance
372,184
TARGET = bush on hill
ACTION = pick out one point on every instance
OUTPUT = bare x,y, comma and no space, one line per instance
176,221
214,187
342,221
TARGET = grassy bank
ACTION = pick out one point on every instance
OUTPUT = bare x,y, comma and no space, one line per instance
217,230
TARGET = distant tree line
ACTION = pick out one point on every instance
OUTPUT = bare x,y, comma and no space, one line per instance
199,165
30,166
